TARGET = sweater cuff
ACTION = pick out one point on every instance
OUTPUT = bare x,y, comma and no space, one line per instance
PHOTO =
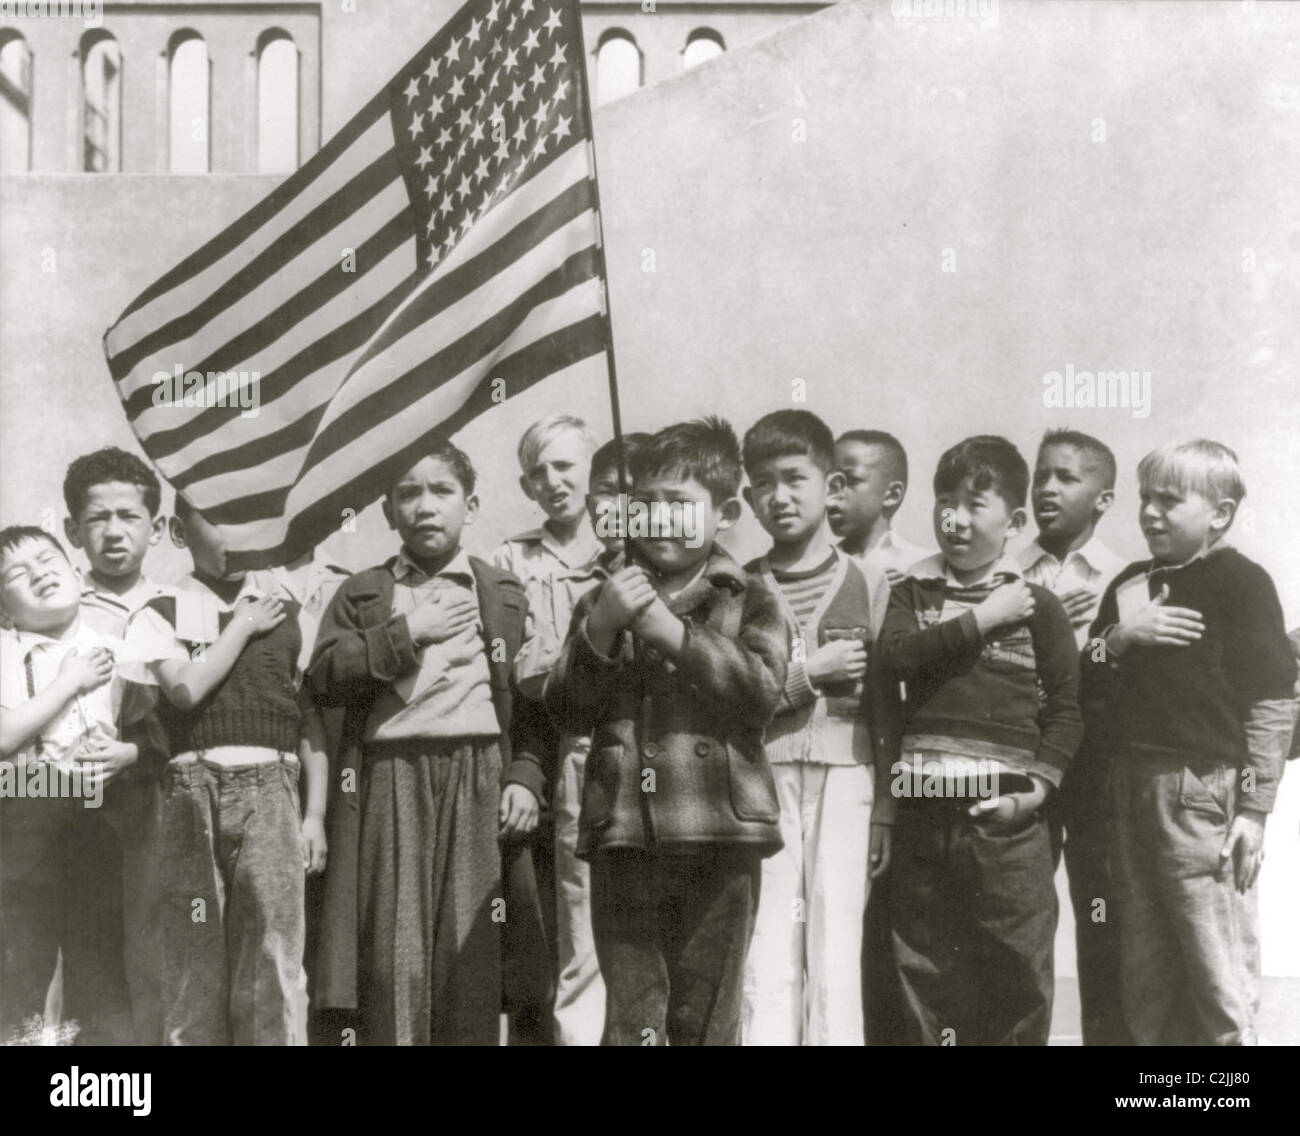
528,774
799,690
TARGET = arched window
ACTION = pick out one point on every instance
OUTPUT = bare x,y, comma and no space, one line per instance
15,103
702,44
101,103
188,83
618,66
277,103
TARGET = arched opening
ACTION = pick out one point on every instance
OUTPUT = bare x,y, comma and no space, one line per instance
277,103
15,103
189,147
702,45
101,103
618,66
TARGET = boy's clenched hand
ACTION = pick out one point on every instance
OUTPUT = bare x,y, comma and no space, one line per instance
519,811
314,844
1242,853
437,620
85,672
1010,603
622,598
838,660
107,759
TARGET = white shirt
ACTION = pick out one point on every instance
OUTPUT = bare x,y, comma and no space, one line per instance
1091,566
891,554
29,663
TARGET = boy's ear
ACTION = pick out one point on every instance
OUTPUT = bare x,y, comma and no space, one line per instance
1019,519
177,531
1224,512
471,508
387,506
894,493
729,512
70,531
836,483
156,527
523,484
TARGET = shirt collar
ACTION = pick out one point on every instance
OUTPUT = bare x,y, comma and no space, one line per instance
1093,553
143,591
457,566
581,553
936,568
83,636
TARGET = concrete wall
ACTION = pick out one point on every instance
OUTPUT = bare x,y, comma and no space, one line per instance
1112,186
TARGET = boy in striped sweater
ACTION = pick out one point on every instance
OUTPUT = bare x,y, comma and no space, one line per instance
803,975
992,720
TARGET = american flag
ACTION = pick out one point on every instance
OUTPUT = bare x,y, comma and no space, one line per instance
441,252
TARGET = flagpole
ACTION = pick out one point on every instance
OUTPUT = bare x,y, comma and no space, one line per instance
614,410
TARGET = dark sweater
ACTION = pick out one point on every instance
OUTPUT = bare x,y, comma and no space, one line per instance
1017,692
254,705
1191,702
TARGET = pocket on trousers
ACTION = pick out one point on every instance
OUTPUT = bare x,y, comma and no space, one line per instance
1209,794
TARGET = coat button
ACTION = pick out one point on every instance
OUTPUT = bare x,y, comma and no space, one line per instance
703,749
650,749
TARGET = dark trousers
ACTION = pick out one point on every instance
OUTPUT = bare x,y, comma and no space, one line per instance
1079,818
972,914
61,890
671,935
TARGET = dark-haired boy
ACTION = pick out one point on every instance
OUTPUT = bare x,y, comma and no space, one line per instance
62,700
113,501
1073,487
861,512
419,650
827,746
675,668
991,722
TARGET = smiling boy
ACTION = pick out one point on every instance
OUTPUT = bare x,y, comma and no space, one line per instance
1192,675
992,677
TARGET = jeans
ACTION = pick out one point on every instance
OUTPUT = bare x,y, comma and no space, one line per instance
671,934
1188,938
61,891
233,920
973,914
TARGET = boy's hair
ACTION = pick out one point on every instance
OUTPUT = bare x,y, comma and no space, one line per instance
705,450
443,450
543,430
1086,444
606,458
990,462
789,433
896,456
14,535
109,464
1200,466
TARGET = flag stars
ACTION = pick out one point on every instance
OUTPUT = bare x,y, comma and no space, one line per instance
467,223
426,156
511,61
431,72
539,151
496,48
481,171
474,29
446,205
444,137
431,187
417,124
561,127
539,115
526,7
433,223
465,186
456,89
412,89
562,90
521,132
476,133
552,21
494,13
464,118
476,68
538,77
452,54
557,57
432,258
435,108
516,95
530,41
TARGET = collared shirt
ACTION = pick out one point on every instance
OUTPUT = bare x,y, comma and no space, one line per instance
891,554
29,663
108,613
311,585
1092,566
449,694
554,580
